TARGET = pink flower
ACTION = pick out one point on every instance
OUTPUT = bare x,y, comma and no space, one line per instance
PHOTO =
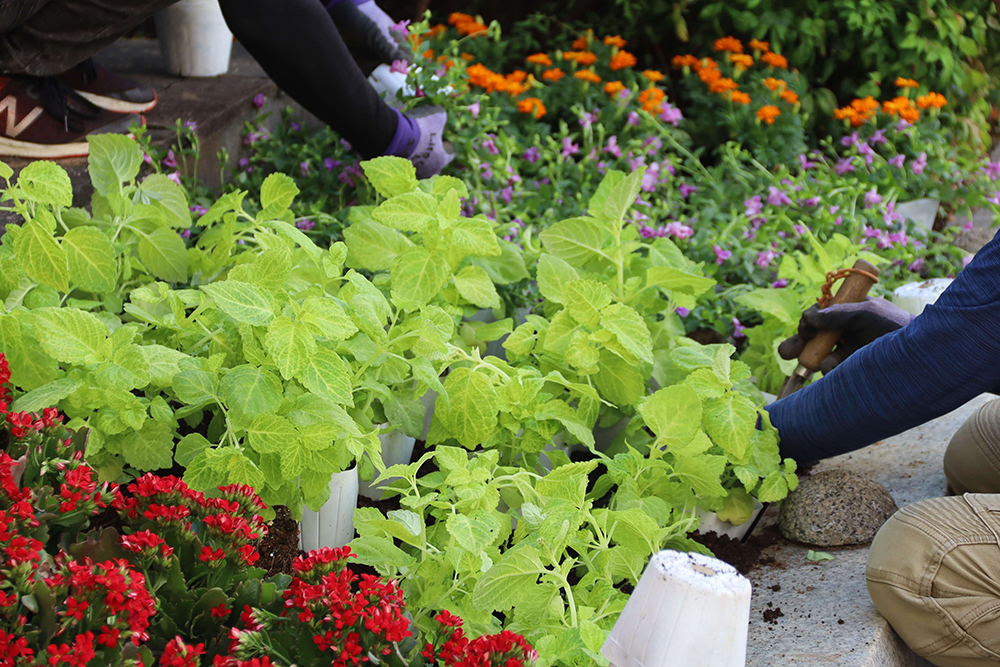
670,114
891,214
919,164
305,224
898,161
780,283
682,312
753,206
613,147
679,230
777,197
400,66
170,161
849,140
569,148
175,177
686,190
258,100
765,257
872,197
843,166
401,27
721,255
992,170
805,162
738,329
917,265
633,118
474,109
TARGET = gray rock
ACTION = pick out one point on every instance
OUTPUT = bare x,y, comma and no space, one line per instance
835,508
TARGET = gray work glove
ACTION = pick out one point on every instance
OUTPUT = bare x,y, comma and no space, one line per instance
361,33
861,323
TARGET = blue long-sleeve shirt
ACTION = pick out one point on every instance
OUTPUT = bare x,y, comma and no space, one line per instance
945,357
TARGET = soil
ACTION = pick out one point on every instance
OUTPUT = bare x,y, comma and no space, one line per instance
772,615
383,506
707,336
744,556
280,547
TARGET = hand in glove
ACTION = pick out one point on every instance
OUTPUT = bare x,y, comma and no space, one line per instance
361,32
861,323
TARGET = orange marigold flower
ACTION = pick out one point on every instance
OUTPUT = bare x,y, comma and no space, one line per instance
774,60
768,113
621,60
684,61
936,100
758,45
651,93
906,83
615,40
614,87
910,115
456,18
705,63
722,84
653,75
729,43
587,75
864,105
581,42
790,96
531,105
845,113
467,57
553,74
512,88
429,54
540,59
709,75
473,28
738,96
518,75
741,60
584,58
774,84
435,31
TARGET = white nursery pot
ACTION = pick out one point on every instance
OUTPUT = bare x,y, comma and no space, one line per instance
710,522
194,38
388,85
914,297
333,524
688,610
921,211
397,449
428,400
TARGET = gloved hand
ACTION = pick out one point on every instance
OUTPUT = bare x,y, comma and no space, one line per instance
359,31
381,19
861,323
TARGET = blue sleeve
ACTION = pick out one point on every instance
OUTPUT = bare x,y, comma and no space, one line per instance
947,356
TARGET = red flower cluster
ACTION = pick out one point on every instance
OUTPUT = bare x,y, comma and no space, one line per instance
454,649
180,654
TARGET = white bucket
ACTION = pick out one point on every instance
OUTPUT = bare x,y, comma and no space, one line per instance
388,85
688,609
397,449
333,524
194,38
710,522
914,297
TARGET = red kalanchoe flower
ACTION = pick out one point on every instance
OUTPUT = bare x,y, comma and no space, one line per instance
179,654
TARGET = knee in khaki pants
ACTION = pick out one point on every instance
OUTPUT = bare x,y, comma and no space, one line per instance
934,573
972,461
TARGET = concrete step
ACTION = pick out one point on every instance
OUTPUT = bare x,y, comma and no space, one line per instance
829,619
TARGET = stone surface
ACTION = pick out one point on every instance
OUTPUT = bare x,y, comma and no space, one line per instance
816,597
835,508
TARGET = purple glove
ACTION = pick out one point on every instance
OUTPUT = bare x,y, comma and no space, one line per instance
861,323
379,18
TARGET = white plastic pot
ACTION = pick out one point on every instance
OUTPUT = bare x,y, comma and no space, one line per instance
688,610
388,85
914,297
397,449
428,400
921,211
710,522
333,524
194,38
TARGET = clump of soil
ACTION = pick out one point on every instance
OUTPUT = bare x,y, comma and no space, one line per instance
280,547
384,506
744,556
772,615
707,336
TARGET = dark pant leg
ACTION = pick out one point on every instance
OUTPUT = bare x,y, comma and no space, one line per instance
62,33
15,12
298,45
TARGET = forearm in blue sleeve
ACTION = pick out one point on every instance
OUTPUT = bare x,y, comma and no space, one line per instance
944,358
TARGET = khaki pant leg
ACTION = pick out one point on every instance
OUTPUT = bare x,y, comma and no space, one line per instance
934,573
972,461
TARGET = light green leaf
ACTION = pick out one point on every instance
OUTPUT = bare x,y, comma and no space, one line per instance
373,246
475,236
270,434
328,376
702,474
706,383
674,415
114,159
628,326
411,212
290,344
29,366
507,267
40,256
46,183
470,414
46,396
91,259
244,471
553,274
169,196
71,336
241,301
328,318
391,176
418,275
623,196
579,241
405,413
568,482
568,417
194,387
476,287
779,303
163,252
189,447
730,421
509,581
772,488
675,280
252,391
151,448
277,193
442,184
474,532
595,207
618,381
585,298
816,556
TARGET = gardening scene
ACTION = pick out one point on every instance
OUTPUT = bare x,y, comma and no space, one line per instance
471,334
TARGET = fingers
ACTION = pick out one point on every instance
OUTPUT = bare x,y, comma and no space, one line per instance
792,347
840,316
845,349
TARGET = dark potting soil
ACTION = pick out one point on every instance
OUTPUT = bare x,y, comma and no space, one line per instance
707,336
383,506
280,547
744,556
772,615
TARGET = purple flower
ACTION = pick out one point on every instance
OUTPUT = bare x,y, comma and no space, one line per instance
490,144
191,125
305,224
245,165
532,155
401,27
295,127
175,177
588,119
843,166
491,214
995,199
917,265
898,161
780,283
487,170
811,201
738,329
258,100
686,190
633,118
765,257
866,150
682,312
146,158
833,209
199,210
474,109
800,229
170,161
568,147
805,163
721,255
670,114
919,164
849,140
186,234
870,232
400,66
613,146
878,137
650,178
891,215
345,178
655,143
753,206
330,164
899,238
969,226
872,197
777,197
507,194
346,144
304,168
679,230
992,170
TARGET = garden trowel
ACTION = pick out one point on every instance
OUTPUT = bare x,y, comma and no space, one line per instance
858,281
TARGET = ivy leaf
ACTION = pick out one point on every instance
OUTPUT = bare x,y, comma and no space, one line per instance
251,390
730,421
46,183
241,301
40,256
418,275
674,415
470,414
113,159
91,259
70,335
476,287
553,275
291,344
391,176
630,329
328,376
579,241
277,193
163,252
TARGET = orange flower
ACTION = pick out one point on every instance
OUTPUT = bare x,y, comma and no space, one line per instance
584,58
741,60
653,75
480,75
621,60
467,57
738,96
614,87
774,60
936,100
768,113
429,54
705,63
721,85
865,105
587,75
448,64
435,31
518,75
553,74
512,88
790,96
906,83
472,28
540,59
910,115
531,105
774,84
709,75
651,98
729,44
615,40
758,45
845,113
684,61
455,18
583,41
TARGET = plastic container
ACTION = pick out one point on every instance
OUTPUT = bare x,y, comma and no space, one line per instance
194,38
333,524
388,85
688,610
921,211
710,522
428,400
397,449
914,297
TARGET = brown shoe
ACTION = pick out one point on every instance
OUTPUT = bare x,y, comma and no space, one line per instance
108,90
41,118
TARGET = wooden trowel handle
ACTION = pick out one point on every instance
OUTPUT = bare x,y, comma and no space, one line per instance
854,289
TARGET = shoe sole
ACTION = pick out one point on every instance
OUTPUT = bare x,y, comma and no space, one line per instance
25,149
118,106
